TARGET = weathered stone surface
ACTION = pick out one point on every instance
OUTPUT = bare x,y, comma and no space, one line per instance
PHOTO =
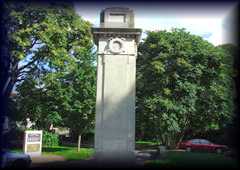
117,17
115,108
132,33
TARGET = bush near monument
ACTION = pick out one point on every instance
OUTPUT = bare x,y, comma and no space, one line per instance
50,139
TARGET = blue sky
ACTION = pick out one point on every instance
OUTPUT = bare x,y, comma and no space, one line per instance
210,21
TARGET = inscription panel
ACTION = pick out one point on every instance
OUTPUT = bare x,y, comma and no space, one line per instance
33,142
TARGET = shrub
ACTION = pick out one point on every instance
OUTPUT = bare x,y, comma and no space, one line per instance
50,139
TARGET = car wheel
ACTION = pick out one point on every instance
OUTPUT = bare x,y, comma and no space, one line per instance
19,164
188,149
218,150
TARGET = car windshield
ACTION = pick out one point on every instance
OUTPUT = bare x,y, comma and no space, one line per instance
195,141
205,141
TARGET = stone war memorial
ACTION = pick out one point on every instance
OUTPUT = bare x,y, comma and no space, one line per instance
117,41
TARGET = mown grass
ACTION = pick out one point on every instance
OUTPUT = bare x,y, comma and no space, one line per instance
175,159
141,145
69,153
146,142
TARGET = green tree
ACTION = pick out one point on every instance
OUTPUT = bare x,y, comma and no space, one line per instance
51,47
183,84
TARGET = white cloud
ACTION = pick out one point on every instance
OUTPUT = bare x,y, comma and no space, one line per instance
201,26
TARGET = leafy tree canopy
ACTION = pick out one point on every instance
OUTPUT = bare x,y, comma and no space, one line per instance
183,83
52,49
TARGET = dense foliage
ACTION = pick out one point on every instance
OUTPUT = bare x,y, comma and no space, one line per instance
52,47
183,86
50,139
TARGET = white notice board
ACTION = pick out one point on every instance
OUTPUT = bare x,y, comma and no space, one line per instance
33,142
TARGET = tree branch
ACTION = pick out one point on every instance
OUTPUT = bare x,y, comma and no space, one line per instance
14,64
22,72
31,46
18,80
28,64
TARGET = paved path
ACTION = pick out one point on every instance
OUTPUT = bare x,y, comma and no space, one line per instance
143,155
45,159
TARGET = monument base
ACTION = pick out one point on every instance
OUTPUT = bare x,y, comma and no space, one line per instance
113,159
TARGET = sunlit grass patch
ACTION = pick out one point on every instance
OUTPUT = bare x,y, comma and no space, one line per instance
69,153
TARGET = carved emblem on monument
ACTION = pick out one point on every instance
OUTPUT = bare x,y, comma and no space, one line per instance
116,45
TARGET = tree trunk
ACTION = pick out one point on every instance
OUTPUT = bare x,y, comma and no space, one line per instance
181,137
79,142
5,65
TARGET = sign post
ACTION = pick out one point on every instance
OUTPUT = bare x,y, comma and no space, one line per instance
33,142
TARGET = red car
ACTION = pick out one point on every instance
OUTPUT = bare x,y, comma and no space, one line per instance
201,145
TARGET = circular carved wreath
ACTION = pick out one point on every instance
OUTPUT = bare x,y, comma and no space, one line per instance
116,45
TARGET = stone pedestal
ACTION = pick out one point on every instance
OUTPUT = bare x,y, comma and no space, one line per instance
116,71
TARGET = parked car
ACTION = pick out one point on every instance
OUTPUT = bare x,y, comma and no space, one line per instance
201,145
15,160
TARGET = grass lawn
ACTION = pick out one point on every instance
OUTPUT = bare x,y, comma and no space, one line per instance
146,145
69,153
176,159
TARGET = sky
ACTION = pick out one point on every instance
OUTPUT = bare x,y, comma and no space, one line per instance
213,22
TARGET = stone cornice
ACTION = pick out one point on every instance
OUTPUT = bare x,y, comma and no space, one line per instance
116,32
